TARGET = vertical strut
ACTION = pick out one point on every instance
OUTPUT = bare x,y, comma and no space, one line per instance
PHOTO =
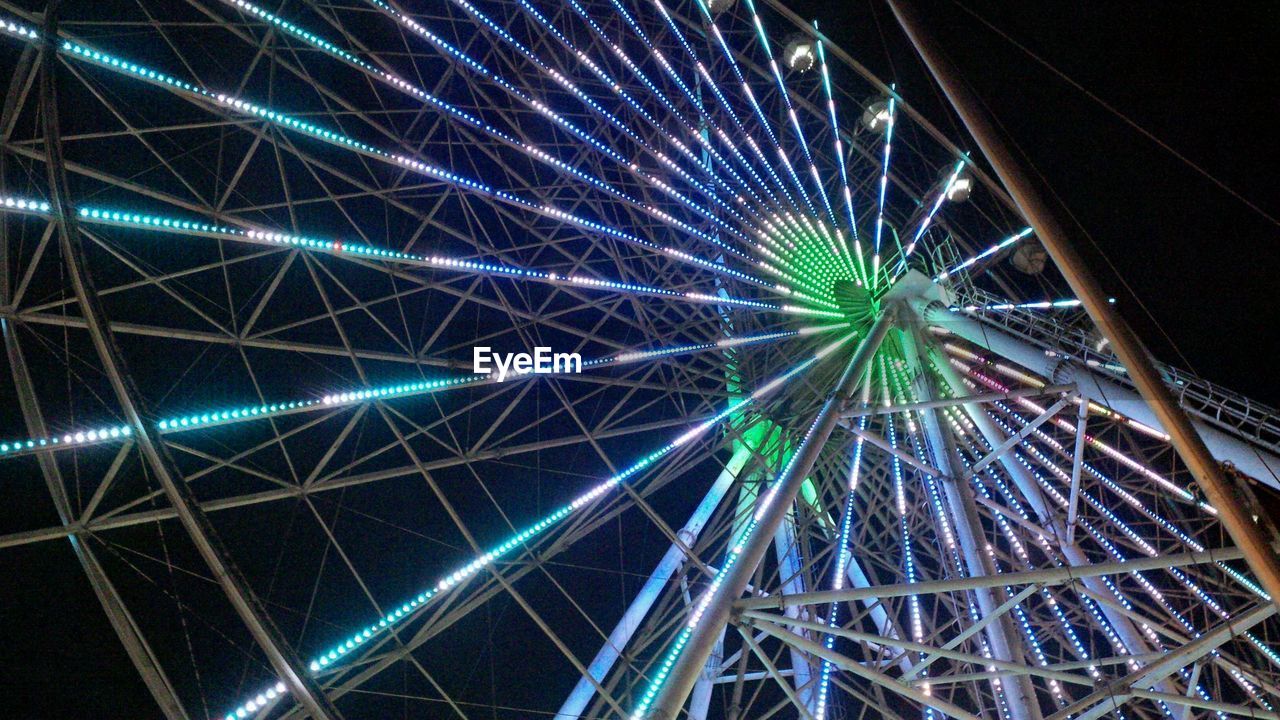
670,697
649,592
1001,632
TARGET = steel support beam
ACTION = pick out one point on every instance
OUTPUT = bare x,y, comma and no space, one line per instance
787,552
667,567
684,672
1077,464
1114,693
1258,463
1129,349
288,666
1049,576
856,668
959,496
1049,517
126,628
884,445
1047,391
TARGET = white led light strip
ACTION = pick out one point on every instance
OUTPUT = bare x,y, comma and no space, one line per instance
984,254
705,120
464,573
222,416
133,70
941,197
839,153
890,122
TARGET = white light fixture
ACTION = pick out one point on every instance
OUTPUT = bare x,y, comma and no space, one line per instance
876,117
960,188
800,55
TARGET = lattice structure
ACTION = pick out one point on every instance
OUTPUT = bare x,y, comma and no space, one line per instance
826,456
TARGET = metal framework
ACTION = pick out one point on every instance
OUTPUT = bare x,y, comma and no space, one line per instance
827,455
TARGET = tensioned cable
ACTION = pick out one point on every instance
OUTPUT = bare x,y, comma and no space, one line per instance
1119,115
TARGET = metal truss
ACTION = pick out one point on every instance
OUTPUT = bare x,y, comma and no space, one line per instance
247,251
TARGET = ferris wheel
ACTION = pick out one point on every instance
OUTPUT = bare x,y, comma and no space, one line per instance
832,423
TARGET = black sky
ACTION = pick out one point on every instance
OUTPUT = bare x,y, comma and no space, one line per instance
1198,76
1202,78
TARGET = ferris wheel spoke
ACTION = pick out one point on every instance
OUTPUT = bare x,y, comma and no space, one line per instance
999,641
755,105
392,159
188,230
889,123
464,573
397,83
1135,539
209,418
1019,550
794,118
1118,555
704,119
941,195
838,143
783,157
1177,491
1116,628
970,262
543,109
614,84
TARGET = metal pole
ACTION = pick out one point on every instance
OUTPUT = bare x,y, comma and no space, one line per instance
684,672
1061,575
652,588
1246,534
958,494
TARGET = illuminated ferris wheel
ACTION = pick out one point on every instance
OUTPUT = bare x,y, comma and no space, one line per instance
840,440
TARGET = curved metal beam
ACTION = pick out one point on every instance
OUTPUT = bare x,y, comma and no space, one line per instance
247,605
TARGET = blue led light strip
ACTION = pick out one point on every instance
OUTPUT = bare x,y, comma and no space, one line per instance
724,103
904,529
223,416
884,188
461,575
714,127
1103,542
546,158
160,223
731,559
564,82
616,87
704,118
838,573
791,111
906,394
109,62
1129,499
1024,232
923,227
1151,590
839,152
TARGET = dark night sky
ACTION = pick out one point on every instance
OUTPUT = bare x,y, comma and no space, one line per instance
1196,76
1201,262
